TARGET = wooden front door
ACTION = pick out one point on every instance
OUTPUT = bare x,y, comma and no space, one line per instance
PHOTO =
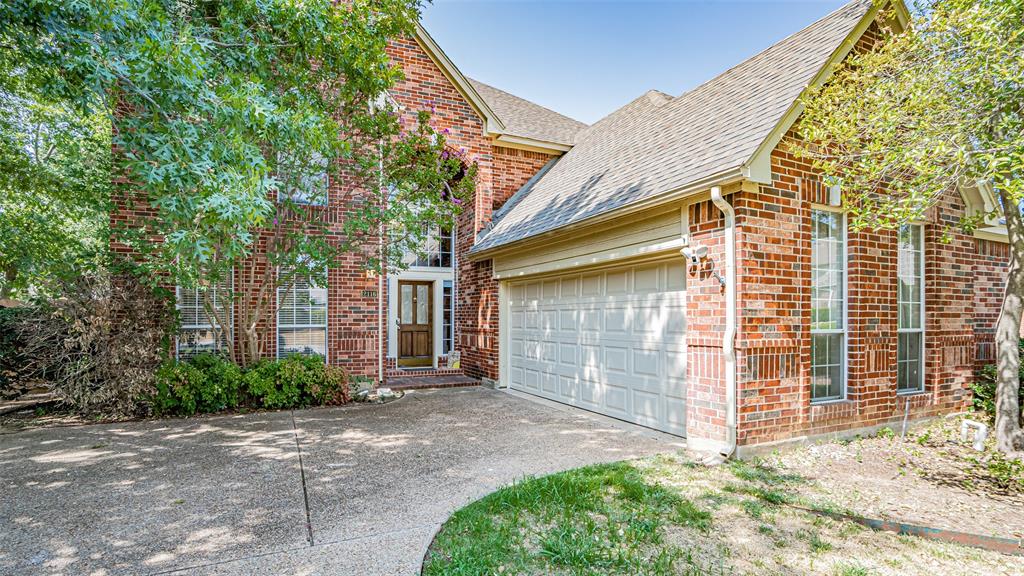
415,323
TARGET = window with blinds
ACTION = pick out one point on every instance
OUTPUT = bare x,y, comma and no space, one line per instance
198,333
302,318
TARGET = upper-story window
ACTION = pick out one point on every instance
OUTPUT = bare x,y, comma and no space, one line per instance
438,251
198,331
828,305
910,298
310,189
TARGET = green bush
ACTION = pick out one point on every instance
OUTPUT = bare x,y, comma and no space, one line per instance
176,386
223,382
210,383
985,388
297,381
205,383
264,385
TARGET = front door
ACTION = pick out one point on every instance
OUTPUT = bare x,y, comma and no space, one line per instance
415,323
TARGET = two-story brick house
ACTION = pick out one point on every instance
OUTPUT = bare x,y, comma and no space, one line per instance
674,265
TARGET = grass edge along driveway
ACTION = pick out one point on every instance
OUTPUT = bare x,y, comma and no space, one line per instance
667,515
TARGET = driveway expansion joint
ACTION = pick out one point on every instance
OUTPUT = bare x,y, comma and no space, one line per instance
302,477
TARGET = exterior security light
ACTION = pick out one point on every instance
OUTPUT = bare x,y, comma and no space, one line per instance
695,253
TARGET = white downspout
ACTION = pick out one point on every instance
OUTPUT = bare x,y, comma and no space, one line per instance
729,336
382,312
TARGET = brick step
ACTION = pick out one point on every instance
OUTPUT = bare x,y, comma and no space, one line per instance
421,372
432,381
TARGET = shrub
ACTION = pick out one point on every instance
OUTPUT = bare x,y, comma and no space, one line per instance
985,388
206,383
98,343
297,381
261,382
222,383
176,386
329,386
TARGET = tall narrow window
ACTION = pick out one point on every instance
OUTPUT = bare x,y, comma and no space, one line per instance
302,317
446,341
828,306
199,332
910,297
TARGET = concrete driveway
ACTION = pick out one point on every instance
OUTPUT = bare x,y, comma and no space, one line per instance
354,490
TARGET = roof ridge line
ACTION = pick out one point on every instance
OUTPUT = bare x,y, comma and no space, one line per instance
773,45
527,100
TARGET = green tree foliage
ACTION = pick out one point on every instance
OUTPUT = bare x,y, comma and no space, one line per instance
227,112
934,108
54,187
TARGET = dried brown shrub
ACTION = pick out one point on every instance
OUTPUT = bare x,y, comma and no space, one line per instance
99,343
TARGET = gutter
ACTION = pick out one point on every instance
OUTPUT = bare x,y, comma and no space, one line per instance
729,336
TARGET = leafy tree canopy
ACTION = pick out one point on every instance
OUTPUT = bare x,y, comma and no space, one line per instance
228,113
926,111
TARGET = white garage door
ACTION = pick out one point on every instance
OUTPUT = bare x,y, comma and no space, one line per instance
611,341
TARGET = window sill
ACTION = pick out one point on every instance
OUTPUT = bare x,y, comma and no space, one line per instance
834,402
911,392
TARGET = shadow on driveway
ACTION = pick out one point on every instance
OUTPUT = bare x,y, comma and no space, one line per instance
225,494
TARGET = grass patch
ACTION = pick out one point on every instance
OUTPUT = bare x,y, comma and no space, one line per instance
604,519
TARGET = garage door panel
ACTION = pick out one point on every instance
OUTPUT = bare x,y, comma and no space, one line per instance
647,362
567,354
590,320
675,276
611,341
615,321
615,398
646,407
570,287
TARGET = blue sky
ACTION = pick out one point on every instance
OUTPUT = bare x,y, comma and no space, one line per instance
586,58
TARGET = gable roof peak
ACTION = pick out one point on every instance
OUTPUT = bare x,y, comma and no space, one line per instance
656,147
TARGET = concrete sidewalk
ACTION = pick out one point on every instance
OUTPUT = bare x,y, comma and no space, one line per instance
354,490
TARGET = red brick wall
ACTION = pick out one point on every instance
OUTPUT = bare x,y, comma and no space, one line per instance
705,322
990,261
512,169
773,256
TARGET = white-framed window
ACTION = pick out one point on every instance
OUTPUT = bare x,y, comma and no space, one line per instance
910,299
448,335
302,317
310,189
439,250
828,305
198,332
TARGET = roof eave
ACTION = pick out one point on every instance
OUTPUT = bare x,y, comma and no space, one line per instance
492,123
531,144
721,178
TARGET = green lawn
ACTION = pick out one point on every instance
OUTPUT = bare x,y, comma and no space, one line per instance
667,515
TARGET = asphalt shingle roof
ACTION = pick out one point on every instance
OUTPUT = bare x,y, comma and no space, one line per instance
656,143
526,119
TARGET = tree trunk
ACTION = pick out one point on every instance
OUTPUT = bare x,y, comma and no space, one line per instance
10,275
1009,437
